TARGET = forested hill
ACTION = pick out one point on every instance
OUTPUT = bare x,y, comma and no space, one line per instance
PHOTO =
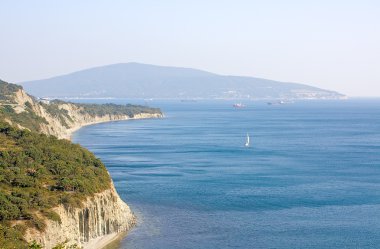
136,80
51,188
37,173
57,117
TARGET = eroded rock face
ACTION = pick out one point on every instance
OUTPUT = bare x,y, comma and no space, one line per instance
100,215
103,214
77,118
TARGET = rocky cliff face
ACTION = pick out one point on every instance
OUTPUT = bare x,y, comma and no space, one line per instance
71,116
100,215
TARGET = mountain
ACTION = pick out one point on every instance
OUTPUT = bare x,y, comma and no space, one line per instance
134,80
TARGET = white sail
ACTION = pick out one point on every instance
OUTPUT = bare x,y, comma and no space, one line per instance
247,142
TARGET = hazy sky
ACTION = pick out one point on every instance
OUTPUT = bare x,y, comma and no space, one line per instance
329,44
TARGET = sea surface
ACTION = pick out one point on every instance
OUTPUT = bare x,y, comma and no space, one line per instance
310,179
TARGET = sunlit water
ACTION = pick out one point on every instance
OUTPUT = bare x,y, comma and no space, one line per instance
311,178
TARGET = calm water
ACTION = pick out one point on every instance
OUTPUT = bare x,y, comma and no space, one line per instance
311,178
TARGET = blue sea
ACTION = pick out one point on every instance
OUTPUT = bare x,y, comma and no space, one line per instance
310,179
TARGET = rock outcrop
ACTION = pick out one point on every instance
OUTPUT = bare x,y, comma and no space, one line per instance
71,117
100,215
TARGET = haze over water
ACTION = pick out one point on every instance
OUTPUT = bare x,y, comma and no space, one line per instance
310,179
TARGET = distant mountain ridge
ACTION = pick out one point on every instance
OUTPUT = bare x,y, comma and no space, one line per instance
134,80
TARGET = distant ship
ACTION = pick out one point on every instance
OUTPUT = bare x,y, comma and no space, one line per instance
239,105
247,142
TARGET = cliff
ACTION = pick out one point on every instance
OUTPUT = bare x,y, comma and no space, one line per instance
52,191
60,118
102,214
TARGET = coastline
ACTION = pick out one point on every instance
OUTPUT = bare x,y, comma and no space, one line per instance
106,241
102,241
72,130
115,242
109,241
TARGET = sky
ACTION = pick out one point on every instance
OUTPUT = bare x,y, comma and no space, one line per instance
332,44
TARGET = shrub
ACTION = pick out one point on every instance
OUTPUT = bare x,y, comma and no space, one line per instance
39,172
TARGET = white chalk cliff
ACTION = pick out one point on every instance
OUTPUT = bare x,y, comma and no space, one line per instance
76,117
101,215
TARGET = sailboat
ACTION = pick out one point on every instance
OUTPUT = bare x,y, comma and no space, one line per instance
247,142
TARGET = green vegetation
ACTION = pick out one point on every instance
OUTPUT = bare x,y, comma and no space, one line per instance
27,118
35,245
113,109
38,172
58,113
65,246
7,90
11,237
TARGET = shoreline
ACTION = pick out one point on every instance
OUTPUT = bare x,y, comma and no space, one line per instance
71,131
106,241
